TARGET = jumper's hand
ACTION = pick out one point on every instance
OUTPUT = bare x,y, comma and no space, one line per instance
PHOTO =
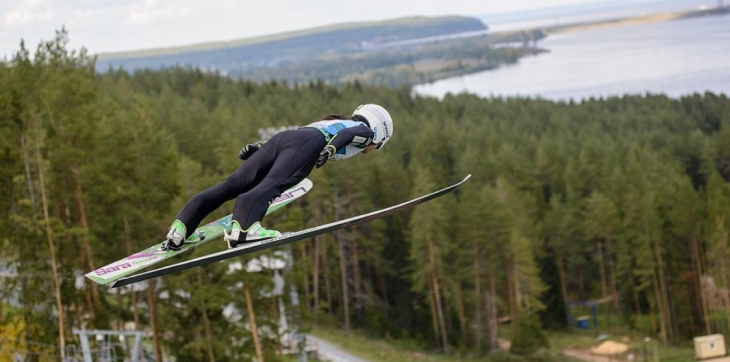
325,155
248,150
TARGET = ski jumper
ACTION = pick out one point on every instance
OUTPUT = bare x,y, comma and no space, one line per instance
282,162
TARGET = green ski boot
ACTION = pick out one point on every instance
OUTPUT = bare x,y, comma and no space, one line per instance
254,233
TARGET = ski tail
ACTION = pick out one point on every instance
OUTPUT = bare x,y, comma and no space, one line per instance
211,231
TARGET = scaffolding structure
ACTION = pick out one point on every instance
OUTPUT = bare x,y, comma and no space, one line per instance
106,350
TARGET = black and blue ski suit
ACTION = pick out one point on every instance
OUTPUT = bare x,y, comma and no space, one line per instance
280,163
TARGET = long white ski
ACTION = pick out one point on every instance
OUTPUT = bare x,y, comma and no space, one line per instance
285,239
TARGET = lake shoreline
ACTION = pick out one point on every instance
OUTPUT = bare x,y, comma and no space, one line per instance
654,18
674,58
585,26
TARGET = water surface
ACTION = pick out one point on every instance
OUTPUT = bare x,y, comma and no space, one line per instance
674,58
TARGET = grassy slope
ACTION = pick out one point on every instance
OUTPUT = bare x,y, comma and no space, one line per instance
585,339
387,350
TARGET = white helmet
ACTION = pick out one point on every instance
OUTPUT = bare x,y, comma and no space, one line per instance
379,120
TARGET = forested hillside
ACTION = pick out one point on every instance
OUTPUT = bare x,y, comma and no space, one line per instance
623,197
240,55
376,53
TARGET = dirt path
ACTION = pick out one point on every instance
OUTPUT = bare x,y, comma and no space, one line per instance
329,352
583,355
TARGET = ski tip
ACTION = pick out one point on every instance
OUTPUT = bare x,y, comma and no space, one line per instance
121,282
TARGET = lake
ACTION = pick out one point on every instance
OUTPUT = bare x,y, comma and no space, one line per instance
674,58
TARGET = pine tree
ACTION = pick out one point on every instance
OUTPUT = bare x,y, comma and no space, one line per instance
428,248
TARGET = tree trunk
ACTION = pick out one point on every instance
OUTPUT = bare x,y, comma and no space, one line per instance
327,284
601,268
726,301
479,319
359,298
152,305
612,273
383,285
77,315
343,266
581,284
305,279
448,314
52,249
85,243
316,266
490,323
637,305
28,177
359,295
315,274
252,323
206,322
135,308
89,299
277,318
511,297
63,209
434,316
120,303
132,291
602,272
664,293
563,284
723,279
440,313
437,297
343,283
492,312
697,266
460,309
659,305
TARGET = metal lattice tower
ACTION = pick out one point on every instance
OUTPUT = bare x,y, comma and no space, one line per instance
106,350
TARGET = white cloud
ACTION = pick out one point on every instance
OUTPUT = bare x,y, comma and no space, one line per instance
119,25
153,10
28,12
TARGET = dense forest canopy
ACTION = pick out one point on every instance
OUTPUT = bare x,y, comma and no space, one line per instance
622,198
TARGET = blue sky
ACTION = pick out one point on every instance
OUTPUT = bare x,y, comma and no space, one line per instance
118,25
